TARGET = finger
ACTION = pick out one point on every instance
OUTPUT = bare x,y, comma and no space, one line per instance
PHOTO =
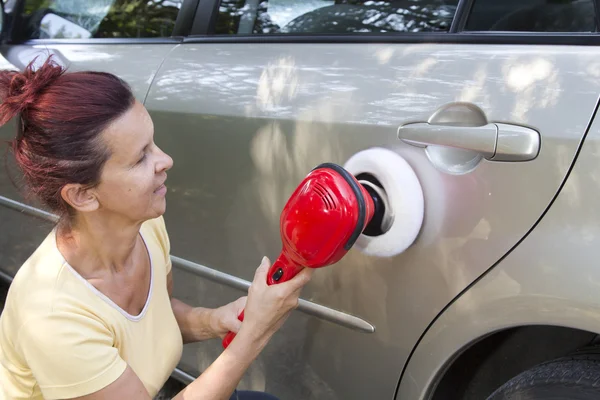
300,280
234,325
240,303
260,276
290,295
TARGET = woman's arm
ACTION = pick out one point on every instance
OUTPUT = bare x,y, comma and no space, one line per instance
199,323
216,383
267,309
220,379
194,322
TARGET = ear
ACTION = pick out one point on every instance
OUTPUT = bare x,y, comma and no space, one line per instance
80,198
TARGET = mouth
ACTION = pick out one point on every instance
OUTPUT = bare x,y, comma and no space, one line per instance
161,189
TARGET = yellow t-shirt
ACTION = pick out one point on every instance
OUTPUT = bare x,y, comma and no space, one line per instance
61,338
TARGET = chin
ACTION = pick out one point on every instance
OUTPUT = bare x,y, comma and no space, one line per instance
159,210
155,209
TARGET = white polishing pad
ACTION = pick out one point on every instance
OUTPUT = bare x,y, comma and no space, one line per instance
405,197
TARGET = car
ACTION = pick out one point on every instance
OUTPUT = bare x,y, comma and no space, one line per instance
493,104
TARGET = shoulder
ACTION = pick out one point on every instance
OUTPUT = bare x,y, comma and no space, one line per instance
157,229
155,233
45,290
35,285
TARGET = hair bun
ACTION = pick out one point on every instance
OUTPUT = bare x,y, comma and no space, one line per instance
19,90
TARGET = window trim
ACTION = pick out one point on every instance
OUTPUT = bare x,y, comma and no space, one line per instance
185,18
208,10
205,18
597,11
578,38
99,41
463,9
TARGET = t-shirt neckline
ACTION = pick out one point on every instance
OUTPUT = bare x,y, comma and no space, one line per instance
105,297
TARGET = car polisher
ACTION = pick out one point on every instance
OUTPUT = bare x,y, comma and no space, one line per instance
322,220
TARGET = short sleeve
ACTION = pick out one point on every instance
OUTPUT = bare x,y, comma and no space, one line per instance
70,354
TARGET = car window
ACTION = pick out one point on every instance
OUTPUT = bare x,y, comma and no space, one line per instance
532,16
333,16
86,19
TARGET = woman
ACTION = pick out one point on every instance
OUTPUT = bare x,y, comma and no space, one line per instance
90,314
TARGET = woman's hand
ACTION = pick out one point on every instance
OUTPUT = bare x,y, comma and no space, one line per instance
268,307
225,318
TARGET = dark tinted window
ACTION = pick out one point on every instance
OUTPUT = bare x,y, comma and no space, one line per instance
533,16
84,19
333,16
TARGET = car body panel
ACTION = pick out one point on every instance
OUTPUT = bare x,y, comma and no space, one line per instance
136,63
246,122
551,278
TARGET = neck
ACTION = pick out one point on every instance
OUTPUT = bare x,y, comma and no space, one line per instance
99,243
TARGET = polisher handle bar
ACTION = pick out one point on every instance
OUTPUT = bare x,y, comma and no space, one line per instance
281,270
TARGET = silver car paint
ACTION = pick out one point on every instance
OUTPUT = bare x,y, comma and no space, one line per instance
551,278
245,122
135,63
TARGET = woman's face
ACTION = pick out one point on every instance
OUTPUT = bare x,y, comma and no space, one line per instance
132,180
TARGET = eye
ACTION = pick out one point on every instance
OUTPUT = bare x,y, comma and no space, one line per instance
141,160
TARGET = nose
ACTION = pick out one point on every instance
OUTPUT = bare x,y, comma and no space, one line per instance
165,162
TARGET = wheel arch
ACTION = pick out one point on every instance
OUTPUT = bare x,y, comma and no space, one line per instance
484,364
497,311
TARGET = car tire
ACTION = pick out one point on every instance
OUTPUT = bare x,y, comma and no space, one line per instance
572,378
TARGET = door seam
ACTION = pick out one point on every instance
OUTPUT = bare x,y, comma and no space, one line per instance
157,72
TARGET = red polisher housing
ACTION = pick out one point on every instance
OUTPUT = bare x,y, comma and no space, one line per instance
319,223
322,219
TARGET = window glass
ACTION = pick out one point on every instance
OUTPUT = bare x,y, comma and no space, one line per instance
333,16
533,16
85,19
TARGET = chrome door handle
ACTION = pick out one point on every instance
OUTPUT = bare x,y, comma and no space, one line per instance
494,141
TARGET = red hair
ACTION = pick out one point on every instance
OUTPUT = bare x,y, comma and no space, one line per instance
61,116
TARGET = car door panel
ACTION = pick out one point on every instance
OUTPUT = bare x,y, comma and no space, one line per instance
245,122
136,63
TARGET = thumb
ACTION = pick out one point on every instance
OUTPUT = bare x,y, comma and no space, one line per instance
233,325
240,304
260,276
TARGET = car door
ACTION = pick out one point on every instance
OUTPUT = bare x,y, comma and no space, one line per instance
85,35
264,91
